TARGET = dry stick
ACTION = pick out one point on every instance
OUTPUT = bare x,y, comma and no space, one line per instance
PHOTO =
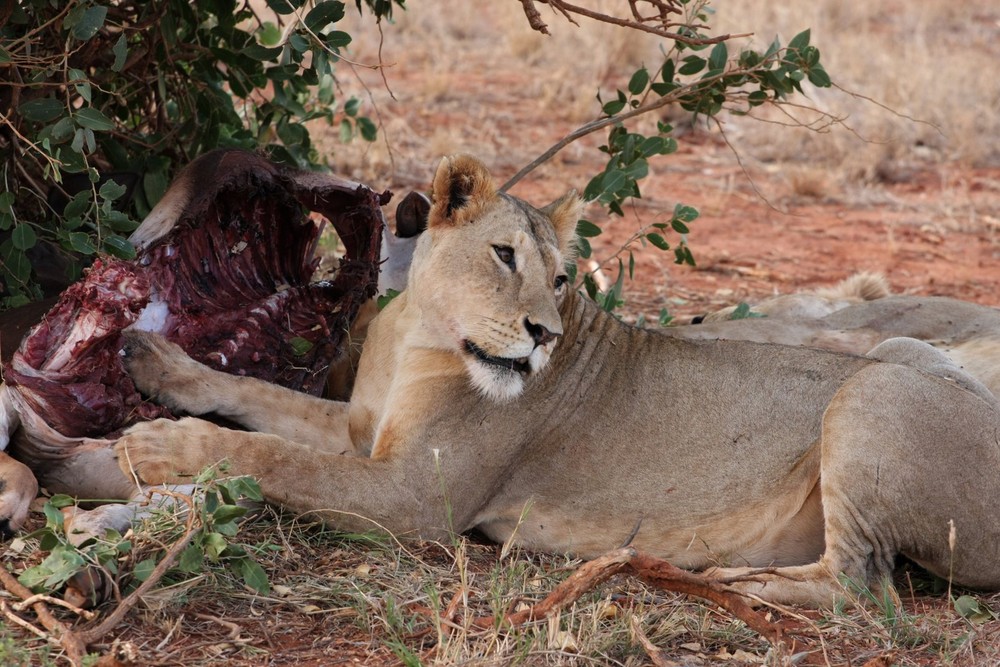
655,572
72,643
652,650
658,572
534,18
565,8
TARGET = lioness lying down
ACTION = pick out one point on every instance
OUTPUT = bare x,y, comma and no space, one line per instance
491,396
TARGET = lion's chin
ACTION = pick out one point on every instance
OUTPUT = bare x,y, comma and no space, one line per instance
498,378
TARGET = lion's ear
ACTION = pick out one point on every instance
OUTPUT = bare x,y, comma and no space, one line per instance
462,184
564,214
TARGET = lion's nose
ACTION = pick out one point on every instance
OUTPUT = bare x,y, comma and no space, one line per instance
539,333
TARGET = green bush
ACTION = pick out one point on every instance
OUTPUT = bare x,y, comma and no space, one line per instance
101,100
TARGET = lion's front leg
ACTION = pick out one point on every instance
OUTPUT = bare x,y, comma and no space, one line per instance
417,490
165,373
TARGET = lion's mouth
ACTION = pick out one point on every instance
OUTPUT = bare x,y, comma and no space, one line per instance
519,364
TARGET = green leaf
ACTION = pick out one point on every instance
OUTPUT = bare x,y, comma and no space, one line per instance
613,107
111,191
269,34
351,106
800,41
685,213
254,576
346,131
261,53
154,186
80,83
323,14
743,312
118,246
637,170
300,346
337,39
717,59
227,513
214,544
192,559
7,202
42,110
143,569
285,6
658,241
4,55
640,79
667,73
612,182
383,300
120,49
15,262
23,237
79,204
692,65
93,119
819,78
757,97
81,243
970,608
90,23
369,131
587,229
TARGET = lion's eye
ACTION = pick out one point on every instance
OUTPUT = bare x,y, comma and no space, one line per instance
506,255
561,282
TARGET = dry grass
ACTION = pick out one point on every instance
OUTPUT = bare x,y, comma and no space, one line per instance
369,600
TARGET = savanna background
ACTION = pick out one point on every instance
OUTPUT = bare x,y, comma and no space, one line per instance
907,184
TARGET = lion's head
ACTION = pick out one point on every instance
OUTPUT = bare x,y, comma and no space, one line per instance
489,275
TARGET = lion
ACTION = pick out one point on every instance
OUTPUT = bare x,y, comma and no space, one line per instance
490,395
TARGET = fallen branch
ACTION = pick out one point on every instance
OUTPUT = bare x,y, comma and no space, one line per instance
72,643
661,574
653,571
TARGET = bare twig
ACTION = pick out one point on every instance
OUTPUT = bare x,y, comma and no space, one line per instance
655,653
661,28
534,18
74,644
41,597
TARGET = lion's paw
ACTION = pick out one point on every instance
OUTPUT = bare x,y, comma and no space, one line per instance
18,487
162,371
164,451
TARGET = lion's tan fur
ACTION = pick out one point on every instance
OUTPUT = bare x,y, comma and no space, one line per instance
855,289
490,396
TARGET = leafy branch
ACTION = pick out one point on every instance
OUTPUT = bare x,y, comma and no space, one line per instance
736,83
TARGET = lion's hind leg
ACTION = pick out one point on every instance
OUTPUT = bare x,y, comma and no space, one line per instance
910,465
